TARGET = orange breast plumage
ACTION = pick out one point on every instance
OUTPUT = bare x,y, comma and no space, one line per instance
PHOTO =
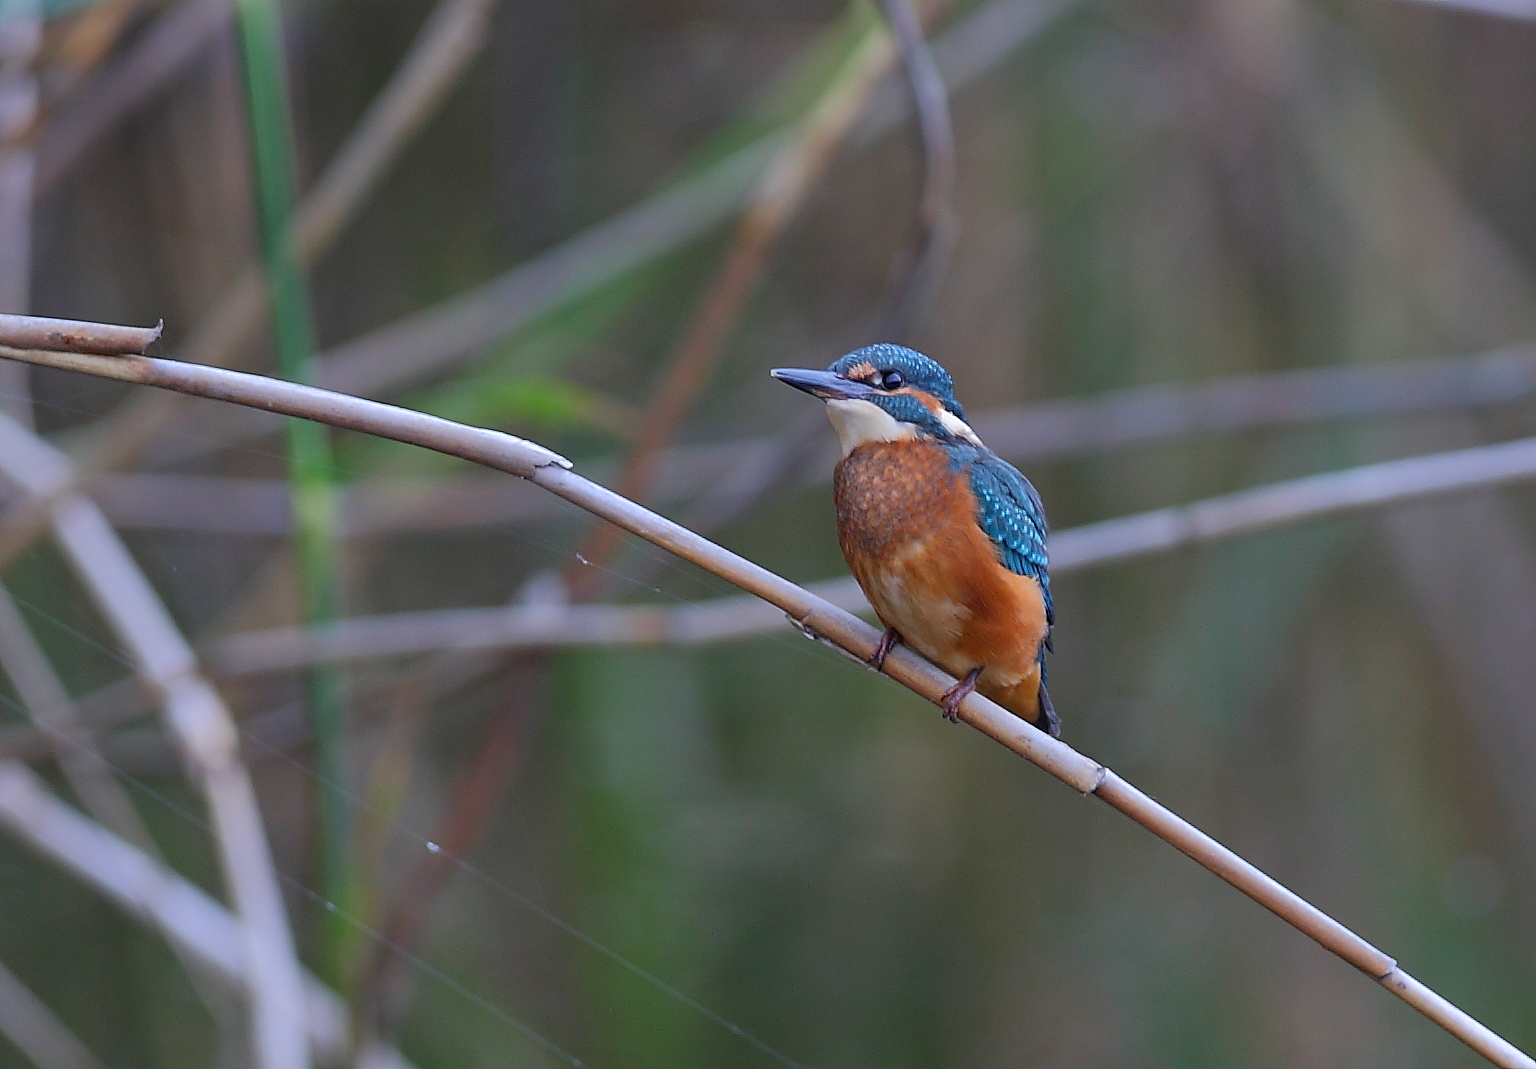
907,524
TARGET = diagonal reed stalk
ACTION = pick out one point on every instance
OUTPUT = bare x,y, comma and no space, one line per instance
779,194
807,612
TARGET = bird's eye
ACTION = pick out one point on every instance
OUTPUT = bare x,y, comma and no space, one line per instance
891,380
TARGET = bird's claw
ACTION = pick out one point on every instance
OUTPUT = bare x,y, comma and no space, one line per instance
951,698
888,641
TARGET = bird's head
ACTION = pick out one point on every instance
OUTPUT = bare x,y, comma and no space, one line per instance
884,393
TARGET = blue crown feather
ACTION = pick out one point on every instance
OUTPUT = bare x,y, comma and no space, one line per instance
918,370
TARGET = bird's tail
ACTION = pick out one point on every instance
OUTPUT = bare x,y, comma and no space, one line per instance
1048,722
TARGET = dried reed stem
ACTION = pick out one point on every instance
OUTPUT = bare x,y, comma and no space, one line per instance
811,614
195,715
200,927
70,336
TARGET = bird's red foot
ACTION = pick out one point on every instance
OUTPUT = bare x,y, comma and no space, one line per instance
956,694
888,642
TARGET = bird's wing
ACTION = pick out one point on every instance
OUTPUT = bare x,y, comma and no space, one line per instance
1010,512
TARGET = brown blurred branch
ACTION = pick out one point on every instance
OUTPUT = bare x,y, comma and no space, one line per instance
123,85
452,35
774,201
484,778
817,617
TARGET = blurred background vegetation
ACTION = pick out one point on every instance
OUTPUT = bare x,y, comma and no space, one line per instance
1147,194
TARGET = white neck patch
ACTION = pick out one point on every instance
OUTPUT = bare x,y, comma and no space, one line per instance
858,422
958,427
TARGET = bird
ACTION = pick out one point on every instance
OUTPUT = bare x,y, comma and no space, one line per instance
946,539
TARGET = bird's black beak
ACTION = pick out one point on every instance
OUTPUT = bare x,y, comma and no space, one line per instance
823,384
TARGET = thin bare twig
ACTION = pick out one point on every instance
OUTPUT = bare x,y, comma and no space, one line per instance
813,615
1165,530
1523,10
937,225
442,50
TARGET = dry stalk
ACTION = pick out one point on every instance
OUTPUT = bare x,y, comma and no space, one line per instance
196,716
72,336
198,926
811,614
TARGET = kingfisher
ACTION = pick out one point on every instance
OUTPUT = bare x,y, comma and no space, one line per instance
946,539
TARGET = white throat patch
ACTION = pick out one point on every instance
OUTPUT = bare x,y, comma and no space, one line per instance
858,422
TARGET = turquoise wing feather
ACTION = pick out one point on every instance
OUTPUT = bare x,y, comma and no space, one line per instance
1010,512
